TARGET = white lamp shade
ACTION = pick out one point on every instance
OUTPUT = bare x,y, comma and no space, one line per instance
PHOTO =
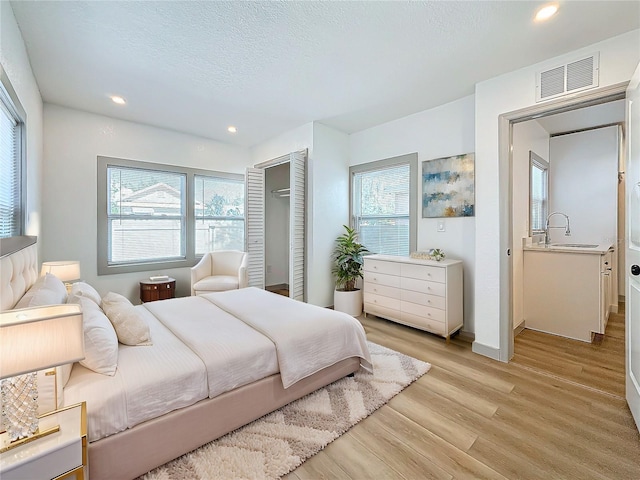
37,338
66,270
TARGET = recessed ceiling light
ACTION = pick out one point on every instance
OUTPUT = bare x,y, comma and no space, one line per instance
232,129
118,100
546,12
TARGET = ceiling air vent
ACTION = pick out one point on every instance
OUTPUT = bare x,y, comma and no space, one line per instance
568,78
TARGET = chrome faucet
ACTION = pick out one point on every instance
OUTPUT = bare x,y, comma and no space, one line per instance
567,229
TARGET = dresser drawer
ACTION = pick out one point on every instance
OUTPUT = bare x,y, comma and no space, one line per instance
382,279
424,272
384,290
423,299
393,303
378,266
423,286
381,311
423,311
428,324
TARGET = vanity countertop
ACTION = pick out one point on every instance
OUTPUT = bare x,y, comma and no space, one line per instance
559,247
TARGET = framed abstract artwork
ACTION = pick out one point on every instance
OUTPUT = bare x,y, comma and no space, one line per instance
448,187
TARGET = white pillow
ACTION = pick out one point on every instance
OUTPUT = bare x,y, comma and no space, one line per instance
130,327
47,290
100,340
82,289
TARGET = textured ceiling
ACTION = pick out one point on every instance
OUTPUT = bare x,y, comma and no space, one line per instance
268,67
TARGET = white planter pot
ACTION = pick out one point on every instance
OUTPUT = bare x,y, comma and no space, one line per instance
348,302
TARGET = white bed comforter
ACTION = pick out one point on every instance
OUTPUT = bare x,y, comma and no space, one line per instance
208,345
233,353
307,338
150,380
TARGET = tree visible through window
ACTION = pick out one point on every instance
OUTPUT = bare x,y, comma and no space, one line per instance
219,212
153,216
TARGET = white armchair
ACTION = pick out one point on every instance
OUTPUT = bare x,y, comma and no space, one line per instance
218,271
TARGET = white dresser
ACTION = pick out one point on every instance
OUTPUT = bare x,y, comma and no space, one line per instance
424,294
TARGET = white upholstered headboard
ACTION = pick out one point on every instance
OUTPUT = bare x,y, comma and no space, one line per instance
18,269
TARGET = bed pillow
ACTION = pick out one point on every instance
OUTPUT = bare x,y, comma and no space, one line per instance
82,289
130,327
47,290
100,340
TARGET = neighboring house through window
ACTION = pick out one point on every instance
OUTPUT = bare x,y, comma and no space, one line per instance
383,204
153,216
12,161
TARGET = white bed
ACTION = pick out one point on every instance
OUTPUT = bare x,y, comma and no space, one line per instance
216,362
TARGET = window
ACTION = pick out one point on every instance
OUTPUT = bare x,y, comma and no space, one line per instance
12,161
153,216
383,204
538,192
146,215
219,212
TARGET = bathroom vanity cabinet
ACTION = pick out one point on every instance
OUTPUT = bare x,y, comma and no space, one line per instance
567,290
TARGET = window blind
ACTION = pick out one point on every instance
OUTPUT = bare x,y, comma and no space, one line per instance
146,215
381,209
219,213
539,197
10,168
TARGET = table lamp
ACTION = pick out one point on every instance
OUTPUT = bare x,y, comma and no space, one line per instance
66,270
33,339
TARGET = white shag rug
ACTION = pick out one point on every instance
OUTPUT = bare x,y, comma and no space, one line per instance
277,443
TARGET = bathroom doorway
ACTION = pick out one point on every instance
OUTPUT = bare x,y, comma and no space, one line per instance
575,144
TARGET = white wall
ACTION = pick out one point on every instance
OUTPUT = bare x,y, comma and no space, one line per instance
15,62
327,197
276,226
583,184
439,132
527,136
73,139
507,93
329,191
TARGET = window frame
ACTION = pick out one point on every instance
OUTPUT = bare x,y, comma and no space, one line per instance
218,175
536,161
410,159
10,100
190,257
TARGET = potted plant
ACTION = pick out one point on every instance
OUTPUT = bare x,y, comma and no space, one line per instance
347,268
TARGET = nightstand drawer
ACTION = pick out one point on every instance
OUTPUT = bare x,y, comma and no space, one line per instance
60,454
49,465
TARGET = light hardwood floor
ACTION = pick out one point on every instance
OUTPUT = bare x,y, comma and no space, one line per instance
556,411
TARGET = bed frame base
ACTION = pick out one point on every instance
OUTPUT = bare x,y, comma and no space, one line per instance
136,451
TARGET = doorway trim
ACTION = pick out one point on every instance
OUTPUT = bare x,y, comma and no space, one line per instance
505,178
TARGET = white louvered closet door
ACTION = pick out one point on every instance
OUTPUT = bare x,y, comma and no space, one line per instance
254,217
297,225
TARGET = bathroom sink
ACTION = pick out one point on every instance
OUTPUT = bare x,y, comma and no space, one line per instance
574,245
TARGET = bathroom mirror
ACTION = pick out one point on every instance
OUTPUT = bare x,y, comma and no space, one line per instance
538,193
